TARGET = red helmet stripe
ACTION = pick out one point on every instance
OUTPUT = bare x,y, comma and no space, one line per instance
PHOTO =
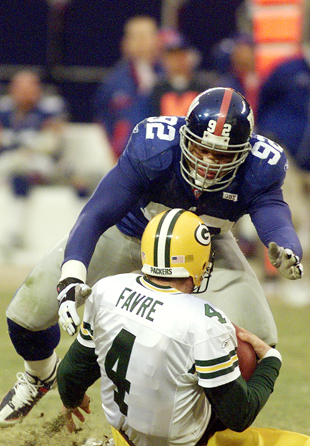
223,111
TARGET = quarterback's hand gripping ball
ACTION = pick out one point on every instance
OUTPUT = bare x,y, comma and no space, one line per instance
69,299
246,356
285,261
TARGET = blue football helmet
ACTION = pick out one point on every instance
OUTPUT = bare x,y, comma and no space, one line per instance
215,139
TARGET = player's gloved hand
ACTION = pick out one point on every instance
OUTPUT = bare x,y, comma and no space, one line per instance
71,294
285,261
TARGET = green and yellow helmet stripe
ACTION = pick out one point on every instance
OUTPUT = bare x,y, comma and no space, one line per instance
163,237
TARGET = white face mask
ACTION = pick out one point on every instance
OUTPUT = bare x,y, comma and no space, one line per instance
220,174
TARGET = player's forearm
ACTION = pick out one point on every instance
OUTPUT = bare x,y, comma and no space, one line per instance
238,403
274,224
77,371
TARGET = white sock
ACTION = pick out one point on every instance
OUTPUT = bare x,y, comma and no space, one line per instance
41,369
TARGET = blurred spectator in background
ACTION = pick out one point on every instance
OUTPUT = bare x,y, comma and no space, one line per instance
31,134
122,100
181,82
284,116
234,64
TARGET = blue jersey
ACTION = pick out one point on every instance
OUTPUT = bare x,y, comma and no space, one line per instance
147,180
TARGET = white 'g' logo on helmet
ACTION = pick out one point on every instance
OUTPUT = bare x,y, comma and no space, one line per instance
202,235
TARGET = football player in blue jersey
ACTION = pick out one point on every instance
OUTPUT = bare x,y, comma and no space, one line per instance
210,163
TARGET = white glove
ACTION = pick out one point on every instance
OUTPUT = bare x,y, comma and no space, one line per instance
69,299
285,261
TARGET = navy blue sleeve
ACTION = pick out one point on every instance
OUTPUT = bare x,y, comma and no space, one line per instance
264,174
272,219
114,197
144,161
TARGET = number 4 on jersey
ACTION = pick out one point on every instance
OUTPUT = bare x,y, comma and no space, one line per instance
116,365
211,312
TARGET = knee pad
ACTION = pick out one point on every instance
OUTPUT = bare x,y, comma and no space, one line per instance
20,185
34,345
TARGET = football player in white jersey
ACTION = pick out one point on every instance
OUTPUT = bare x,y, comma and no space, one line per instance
168,362
210,163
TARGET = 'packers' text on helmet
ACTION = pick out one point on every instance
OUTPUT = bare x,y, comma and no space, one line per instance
177,244
215,139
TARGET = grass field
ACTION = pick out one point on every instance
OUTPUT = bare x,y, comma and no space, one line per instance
288,408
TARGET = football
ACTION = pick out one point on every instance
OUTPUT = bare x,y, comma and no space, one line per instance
246,356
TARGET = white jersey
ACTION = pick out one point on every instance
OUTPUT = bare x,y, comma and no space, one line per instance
157,348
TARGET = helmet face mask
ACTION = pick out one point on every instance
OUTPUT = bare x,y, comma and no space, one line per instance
215,140
176,244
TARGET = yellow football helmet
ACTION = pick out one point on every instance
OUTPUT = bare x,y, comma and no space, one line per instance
176,243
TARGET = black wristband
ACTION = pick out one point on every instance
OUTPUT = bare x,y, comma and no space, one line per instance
67,281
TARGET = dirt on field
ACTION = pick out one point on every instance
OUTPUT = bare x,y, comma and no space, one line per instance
44,425
52,433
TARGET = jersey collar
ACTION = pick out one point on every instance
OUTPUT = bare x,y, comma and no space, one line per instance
147,283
